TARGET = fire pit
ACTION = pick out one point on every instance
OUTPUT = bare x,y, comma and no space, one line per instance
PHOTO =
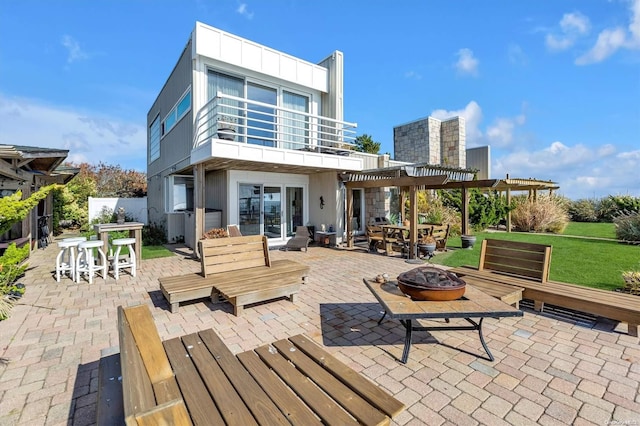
428,283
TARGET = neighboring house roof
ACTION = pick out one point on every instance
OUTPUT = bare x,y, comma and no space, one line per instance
18,160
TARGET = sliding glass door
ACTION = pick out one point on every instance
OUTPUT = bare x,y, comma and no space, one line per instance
272,211
261,119
261,209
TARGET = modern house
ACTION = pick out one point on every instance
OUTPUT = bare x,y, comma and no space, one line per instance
244,134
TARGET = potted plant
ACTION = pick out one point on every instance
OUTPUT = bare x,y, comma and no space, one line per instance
215,233
468,241
227,127
427,246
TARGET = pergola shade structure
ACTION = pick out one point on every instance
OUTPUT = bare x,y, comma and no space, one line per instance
415,177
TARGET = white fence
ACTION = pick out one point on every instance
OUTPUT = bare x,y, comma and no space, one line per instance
135,208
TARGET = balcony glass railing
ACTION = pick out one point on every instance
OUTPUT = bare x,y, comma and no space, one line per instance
245,121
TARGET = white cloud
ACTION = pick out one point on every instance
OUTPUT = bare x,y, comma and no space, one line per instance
501,132
572,26
412,75
74,52
472,115
516,55
580,171
89,136
610,40
467,64
243,10
575,23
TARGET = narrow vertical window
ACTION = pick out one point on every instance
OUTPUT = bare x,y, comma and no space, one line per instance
154,140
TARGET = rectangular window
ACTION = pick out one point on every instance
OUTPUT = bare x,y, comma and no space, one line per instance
295,127
177,112
179,196
154,140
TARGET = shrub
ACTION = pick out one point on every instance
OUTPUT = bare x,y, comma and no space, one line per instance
153,235
546,214
485,208
10,271
628,226
583,211
432,210
612,206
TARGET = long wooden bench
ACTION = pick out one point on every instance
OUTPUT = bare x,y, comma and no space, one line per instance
238,269
526,266
195,379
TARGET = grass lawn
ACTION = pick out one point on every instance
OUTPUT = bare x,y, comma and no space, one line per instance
596,230
586,261
153,252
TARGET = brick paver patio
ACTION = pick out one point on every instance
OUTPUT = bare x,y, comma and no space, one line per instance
547,371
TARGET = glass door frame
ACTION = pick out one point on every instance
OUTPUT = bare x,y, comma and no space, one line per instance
284,214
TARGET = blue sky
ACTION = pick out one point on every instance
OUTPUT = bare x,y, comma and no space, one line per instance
552,86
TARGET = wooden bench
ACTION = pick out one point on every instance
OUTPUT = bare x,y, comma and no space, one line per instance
374,236
526,265
238,269
195,379
440,233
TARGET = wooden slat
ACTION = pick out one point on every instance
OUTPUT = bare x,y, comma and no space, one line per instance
136,387
199,403
148,342
170,413
262,407
251,286
327,409
359,408
358,383
231,406
292,406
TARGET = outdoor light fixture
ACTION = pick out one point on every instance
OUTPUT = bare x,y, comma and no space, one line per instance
321,202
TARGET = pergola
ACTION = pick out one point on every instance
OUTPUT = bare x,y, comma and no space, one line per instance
415,177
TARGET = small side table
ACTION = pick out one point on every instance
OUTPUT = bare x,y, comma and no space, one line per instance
326,238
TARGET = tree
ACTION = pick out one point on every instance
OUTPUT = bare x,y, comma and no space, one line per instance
365,143
71,203
13,208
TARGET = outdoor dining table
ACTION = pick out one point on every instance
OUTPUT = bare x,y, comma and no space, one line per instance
472,305
395,233
135,231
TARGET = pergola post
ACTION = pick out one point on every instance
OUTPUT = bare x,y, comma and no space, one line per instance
401,204
349,216
509,212
413,226
198,201
465,211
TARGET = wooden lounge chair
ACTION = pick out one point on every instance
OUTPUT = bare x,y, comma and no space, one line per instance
234,231
300,240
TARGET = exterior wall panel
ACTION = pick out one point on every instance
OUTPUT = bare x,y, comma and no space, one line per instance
480,159
175,146
233,50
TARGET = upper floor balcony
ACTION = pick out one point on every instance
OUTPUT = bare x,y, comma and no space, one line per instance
230,128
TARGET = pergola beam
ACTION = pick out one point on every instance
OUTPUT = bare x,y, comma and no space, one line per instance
405,181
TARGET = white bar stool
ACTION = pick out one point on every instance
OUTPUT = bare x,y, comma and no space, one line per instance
66,260
86,261
122,263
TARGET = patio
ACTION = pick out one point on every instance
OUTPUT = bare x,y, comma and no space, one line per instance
548,370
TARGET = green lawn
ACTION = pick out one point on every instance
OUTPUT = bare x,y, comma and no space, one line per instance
591,262
596,230
153,252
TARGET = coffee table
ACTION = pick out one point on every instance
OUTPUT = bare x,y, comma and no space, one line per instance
473,305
